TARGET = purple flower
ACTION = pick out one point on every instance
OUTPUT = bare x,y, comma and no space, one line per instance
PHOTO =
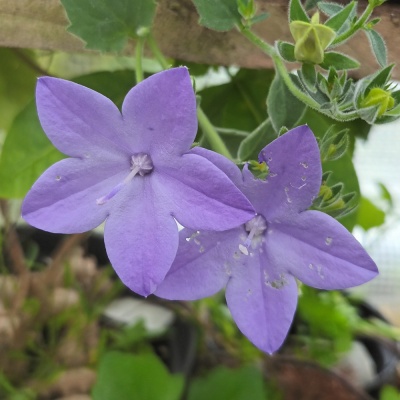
135,170
259,261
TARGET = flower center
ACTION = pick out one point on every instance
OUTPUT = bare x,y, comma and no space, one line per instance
141,164
256,227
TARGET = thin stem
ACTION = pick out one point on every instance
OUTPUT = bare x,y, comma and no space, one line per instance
139,59
157,52
361,21
212,135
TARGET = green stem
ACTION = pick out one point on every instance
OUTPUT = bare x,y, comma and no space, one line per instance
139,59
281,69
157,52
359,24
209,131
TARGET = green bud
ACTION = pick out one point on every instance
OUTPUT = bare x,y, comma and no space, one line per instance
311,39
325,192
378,97
246,8
259,170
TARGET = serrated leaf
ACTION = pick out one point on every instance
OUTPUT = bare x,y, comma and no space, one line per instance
297,12
378,46
251,146
286,50
221,15
106,25
125,376
284,109
223,383
26,154
337,20
329,9
338,61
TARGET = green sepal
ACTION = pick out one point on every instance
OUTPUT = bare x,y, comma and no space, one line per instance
369,114
246,8
339,61
286,51
339,19
260,170
297,12
378,46
258,18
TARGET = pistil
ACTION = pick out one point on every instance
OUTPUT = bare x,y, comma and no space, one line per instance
141,164
256,227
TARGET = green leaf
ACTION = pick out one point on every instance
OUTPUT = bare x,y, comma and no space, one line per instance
125,376
297,12
338,61
251,146
221,15
106,25
239,104
223,384
337,20
385,194
286,50
330,9
308,76
378,46
26,154
389,393
283,108
17,84
369,215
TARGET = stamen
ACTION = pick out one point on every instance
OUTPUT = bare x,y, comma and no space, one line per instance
256,226
141,164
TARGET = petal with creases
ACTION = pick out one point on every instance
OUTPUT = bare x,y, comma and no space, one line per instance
261,311
79,121
294,175
320,252
201,267
141,238
162,113
63,199
200,196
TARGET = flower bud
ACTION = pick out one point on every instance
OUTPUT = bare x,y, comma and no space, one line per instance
311,39
378,97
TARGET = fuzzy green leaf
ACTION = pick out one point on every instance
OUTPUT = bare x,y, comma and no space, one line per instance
286,50
221,15
297,12
106,25
338,61
369,215
378,47
337,20
330,9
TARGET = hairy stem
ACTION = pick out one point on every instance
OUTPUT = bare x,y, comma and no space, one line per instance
139,59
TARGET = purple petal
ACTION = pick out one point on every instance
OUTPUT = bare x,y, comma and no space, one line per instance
63,199
221,162
141,238
162,113
294,173
79,121
200,268
320,252
201,196
262,302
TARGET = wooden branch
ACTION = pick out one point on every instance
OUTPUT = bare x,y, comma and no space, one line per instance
41,24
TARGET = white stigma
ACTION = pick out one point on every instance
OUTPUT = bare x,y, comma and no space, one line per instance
141,164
